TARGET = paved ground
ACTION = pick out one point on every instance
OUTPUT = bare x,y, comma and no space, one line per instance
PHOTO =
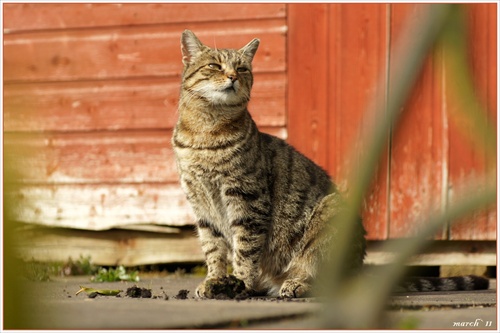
54,305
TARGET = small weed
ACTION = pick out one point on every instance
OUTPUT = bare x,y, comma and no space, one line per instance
199,270
82,266
180,272
43,271
115,274
37,271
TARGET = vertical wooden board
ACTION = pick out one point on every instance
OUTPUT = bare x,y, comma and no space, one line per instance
307,79
418,167
492,100
357,70
482,38
466,159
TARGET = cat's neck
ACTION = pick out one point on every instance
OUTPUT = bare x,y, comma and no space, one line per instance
201,124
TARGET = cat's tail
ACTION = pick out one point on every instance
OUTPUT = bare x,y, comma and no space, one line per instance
468,282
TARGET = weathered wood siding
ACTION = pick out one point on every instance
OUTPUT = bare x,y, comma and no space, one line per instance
90,90
336,56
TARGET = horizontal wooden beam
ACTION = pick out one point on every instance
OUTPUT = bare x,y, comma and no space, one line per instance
133,104
481,253
52,16
132,248
95,157
135,52
111,247
99,206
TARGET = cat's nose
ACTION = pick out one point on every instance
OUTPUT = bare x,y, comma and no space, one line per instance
232,76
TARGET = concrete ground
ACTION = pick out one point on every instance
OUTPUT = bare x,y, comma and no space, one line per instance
54,305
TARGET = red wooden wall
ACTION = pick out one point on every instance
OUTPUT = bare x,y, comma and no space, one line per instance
345,50
91,91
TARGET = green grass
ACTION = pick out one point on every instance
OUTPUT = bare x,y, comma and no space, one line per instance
115,274
44,271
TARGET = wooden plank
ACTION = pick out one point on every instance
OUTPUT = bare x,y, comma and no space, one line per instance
96,157
330,128
121,157
100,206
482,39
307,79
36,16
492,101
357,63
121,104
118,247
139,51
150,228
467,160
108,248
419,146
91,105
440,253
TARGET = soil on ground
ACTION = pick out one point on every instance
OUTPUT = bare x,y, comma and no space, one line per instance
182,294
136,292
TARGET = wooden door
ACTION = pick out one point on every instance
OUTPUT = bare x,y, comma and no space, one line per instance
337,54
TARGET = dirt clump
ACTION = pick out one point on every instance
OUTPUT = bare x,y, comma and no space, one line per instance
182,294
136,292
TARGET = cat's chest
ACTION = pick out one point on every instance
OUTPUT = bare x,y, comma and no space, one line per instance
203,178
207,162
205,192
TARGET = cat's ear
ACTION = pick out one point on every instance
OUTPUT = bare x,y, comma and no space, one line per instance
190,47
250,49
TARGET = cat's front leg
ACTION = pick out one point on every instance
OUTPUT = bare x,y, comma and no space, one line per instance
215,248
249,237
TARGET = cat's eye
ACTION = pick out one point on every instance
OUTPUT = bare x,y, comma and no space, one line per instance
242,69
215,66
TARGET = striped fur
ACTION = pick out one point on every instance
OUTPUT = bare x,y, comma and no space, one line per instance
255,197
422,284
259,203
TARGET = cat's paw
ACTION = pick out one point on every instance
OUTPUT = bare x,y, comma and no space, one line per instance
227,287
200,291
294,289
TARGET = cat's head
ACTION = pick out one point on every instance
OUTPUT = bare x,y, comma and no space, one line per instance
220,77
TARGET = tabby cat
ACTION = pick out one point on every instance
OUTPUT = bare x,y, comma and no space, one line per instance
252,193
258,201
